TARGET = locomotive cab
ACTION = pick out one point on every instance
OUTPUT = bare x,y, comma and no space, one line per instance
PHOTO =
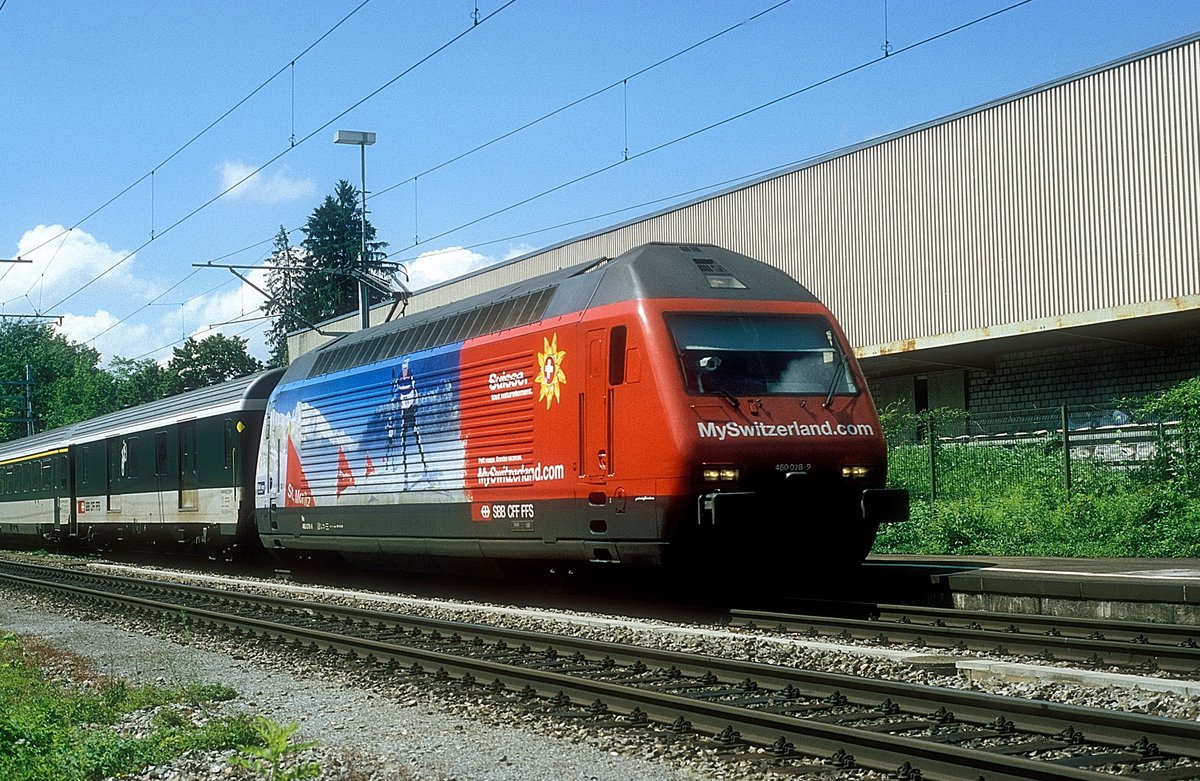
784,449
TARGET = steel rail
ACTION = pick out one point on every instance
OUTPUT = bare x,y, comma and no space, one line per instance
809,736
1038,636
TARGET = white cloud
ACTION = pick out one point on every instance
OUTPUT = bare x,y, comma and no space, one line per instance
63,262
167,326
276,188
518,250
105,332
436,266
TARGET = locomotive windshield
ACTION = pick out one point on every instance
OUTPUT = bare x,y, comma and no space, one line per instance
746,355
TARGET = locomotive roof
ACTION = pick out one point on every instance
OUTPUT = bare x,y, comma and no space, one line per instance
225,396
650,271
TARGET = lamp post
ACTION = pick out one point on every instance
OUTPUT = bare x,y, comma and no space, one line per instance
362,140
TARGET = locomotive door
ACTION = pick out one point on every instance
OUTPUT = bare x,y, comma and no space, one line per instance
274,481
596,458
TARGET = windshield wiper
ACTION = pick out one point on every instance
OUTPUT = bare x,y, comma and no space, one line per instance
837,377
729,397
719,389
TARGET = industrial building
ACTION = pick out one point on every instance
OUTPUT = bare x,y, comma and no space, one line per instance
1041,249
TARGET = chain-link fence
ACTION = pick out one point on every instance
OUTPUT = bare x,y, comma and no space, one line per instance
950,454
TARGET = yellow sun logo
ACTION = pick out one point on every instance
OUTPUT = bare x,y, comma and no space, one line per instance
550,373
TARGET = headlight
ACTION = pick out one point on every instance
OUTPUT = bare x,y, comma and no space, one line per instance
720,474
855,472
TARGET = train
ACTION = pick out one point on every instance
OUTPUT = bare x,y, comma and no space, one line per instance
677,407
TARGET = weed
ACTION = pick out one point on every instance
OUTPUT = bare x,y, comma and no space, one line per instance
60,719
268,759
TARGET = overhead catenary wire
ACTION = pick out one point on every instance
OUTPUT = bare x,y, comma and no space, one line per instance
225,115
638,155
583,98
439,49
623,82
733,118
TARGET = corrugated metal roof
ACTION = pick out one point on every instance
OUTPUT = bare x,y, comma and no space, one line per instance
1074,198
235,394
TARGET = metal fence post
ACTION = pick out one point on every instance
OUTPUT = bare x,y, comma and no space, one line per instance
1066,446
932,435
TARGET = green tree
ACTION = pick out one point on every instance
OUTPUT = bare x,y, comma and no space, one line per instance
332,241
138,381
284,286
316,281
198,363
69,385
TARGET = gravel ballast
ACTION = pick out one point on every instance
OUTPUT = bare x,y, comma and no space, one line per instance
363,734
401,728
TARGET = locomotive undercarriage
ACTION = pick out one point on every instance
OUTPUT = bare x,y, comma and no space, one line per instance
798,528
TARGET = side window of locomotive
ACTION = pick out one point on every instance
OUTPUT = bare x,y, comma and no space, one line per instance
736,354
617,338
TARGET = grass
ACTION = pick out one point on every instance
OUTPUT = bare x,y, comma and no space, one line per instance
1012,501
60,719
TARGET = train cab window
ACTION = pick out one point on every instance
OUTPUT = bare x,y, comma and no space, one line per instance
733,354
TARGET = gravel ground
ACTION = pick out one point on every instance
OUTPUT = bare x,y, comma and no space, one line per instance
364,734
403,729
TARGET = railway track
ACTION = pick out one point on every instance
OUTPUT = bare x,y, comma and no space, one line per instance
1141,646
792,718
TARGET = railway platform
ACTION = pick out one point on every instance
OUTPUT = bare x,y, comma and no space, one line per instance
1164,590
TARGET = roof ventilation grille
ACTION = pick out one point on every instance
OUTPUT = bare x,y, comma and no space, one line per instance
716,274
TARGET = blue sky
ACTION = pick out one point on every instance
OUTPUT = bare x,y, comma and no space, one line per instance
128,123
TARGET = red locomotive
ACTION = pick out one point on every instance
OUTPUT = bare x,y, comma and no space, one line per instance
679,405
